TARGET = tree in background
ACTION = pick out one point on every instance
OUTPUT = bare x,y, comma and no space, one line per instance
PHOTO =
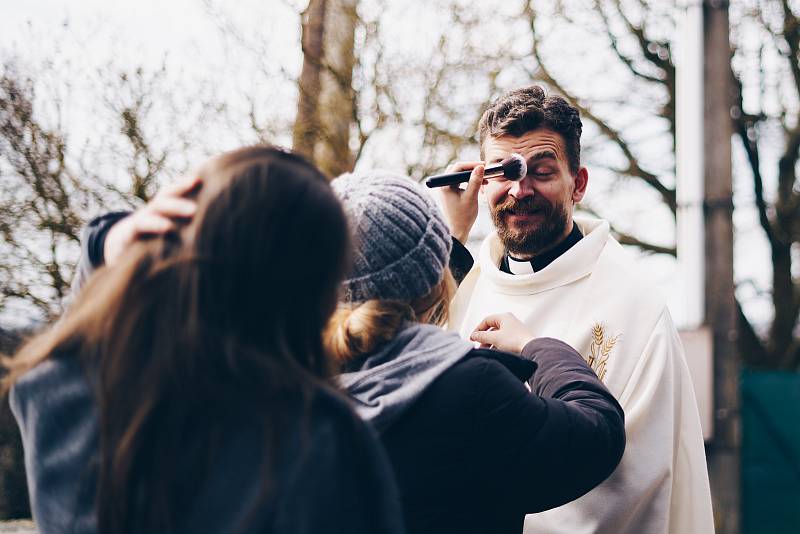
41,202
766,114
637,40
355,88
55,177
326,103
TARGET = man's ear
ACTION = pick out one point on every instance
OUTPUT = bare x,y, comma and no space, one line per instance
581,181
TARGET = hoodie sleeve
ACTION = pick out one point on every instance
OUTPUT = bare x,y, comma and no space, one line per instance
93,238
54,408
558,441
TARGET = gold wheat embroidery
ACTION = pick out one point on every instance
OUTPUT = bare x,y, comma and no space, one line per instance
600,350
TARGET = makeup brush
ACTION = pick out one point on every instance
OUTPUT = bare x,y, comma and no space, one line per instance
512,168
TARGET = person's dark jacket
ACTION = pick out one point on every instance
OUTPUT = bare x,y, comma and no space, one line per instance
472,449
330,474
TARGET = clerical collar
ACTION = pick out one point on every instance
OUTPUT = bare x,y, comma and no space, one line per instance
519,266
513,266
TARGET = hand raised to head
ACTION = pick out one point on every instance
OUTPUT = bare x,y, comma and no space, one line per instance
157,217
460,206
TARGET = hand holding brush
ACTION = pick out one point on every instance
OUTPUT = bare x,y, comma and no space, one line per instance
512,168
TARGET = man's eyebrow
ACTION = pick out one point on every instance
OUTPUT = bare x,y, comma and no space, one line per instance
544,154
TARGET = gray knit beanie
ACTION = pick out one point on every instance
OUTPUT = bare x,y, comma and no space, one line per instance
401,244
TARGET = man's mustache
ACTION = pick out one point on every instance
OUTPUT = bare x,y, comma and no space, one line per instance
527,205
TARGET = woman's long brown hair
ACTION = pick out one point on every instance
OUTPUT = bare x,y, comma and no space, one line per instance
222,317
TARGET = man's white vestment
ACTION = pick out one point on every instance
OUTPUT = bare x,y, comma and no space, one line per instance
594,298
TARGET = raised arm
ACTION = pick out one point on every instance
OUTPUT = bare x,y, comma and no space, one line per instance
107,237
561,439
93,237
460,210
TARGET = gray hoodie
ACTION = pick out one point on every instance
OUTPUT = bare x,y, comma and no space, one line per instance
386,383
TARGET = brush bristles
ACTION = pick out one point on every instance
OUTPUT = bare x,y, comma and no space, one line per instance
514,167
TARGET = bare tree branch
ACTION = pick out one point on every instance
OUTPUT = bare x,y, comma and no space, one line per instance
746,128
627,61
634,168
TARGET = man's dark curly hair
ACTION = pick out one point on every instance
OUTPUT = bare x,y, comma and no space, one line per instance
529,108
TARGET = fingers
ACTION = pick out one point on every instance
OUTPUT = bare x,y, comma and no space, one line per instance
460,207
181,187
145,222
150,223
172,206
473,185
502,331
491,321
459,166
486,338
475,182
487,332
161,215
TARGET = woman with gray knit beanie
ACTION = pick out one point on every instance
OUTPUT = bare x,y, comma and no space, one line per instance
473,448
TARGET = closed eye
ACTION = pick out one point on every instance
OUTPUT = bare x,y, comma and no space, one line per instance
542,171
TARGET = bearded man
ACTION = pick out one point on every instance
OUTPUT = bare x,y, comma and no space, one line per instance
569,279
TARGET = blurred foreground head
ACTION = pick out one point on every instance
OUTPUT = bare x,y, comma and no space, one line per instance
221,317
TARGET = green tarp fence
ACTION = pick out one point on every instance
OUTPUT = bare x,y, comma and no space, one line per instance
770,452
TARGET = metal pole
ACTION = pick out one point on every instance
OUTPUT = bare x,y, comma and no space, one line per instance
724,453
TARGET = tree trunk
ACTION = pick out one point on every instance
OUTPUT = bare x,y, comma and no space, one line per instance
333,154
306,125
325,111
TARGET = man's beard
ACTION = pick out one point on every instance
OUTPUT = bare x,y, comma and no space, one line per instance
529,242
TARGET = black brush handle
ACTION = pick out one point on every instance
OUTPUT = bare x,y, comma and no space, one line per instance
441,180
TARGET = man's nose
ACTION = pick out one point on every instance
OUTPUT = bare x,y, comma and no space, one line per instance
522,188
